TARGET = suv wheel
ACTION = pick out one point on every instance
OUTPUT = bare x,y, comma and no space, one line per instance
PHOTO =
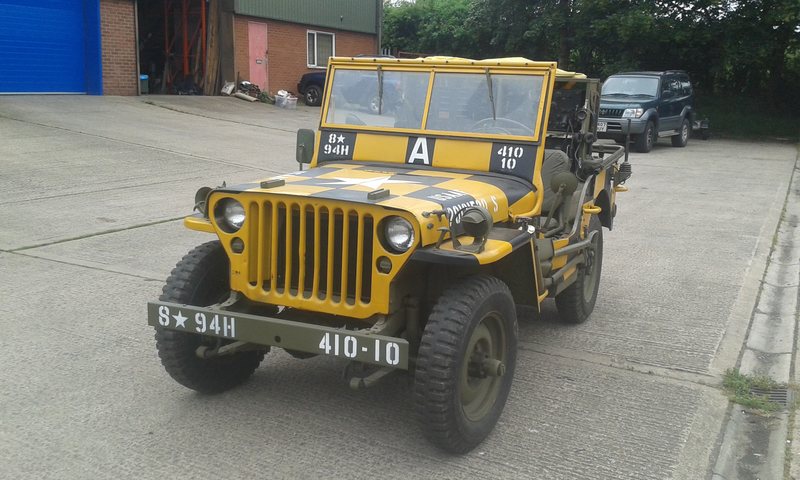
644,142
313,96
682,138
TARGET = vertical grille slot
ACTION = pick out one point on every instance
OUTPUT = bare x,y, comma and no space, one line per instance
335,257
254,244
306,251
366,264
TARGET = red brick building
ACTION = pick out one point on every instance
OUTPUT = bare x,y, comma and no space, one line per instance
118,35
182,46
290,51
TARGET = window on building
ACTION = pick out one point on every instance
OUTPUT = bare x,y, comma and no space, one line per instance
321,45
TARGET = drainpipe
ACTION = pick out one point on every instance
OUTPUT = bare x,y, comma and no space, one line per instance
379,22
136,39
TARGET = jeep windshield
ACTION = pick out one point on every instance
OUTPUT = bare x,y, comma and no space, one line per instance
482,103
630,87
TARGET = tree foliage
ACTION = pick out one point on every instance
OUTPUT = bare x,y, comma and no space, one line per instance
730,47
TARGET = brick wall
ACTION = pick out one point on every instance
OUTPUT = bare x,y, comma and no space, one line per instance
241,61
286,47
119,47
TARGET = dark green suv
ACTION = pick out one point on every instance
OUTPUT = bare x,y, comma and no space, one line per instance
657,104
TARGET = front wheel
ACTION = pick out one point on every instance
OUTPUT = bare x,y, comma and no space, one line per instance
466,362
201,278
682,138
645,141
576,302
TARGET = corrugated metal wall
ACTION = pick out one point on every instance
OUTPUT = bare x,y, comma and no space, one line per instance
353,15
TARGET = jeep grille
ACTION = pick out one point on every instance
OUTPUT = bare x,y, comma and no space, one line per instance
305,251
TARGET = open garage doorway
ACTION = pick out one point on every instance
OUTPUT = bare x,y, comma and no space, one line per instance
179,46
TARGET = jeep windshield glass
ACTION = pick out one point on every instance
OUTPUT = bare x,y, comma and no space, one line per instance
630,86
461,102
355,98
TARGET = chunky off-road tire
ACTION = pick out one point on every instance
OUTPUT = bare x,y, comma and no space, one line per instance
457,401
682,138
576,302
201,278
313,96
644,142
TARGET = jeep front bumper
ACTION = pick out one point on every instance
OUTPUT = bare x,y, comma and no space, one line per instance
357,345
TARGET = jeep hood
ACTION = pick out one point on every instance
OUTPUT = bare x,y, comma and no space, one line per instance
412,189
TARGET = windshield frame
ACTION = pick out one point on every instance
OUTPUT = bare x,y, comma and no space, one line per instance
548,78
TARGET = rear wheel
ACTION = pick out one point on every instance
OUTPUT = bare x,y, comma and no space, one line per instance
576,302
645,141
313,96
682,138
466,362
201,278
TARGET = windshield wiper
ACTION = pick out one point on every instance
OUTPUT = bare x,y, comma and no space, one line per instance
491,94
380,90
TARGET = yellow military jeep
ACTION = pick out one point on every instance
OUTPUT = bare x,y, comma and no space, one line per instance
437,195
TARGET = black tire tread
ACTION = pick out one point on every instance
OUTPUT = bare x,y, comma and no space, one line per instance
570,302
189,283
318,101
640,143
436,377
677,140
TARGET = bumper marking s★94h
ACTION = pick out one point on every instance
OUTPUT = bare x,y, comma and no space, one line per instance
357,345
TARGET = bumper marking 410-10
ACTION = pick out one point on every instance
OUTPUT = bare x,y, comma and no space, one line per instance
356,345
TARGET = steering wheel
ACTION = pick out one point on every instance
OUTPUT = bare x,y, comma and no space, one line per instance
484,123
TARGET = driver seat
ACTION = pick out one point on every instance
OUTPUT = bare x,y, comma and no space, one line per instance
555,162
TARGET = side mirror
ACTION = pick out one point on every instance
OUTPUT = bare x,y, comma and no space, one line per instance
305,145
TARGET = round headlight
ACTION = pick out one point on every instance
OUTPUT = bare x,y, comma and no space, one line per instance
399,234
229,214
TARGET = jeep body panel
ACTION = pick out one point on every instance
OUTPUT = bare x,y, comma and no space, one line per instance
368,173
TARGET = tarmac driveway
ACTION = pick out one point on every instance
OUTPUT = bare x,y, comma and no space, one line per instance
93,189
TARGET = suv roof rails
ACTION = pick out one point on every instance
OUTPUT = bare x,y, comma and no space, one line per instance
652,72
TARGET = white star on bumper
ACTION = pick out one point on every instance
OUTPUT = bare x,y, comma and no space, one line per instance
180,319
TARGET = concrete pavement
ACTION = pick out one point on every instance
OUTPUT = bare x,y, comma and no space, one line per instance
93,188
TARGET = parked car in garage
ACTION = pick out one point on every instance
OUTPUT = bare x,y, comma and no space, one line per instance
657,104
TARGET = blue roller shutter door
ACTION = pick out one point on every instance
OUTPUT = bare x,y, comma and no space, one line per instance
49,46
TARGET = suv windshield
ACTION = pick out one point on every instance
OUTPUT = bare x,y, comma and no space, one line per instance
630,86
488,103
